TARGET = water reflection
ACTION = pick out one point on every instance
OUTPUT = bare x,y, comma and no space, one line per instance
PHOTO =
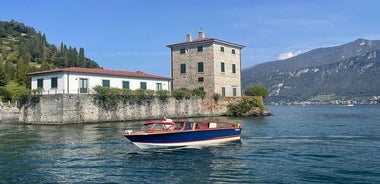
192,165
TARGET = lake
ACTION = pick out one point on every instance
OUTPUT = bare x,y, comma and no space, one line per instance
298,144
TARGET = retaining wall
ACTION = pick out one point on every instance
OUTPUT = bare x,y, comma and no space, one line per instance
64,108
8,112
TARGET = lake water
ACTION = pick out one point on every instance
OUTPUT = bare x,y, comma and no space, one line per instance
298,144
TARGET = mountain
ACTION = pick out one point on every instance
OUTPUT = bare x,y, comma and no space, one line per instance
349,71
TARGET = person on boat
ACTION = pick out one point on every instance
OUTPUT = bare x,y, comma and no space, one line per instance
167,126
164,119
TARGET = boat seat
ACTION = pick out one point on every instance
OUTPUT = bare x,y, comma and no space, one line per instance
203,127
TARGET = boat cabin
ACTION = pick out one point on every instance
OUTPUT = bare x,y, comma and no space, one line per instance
184,125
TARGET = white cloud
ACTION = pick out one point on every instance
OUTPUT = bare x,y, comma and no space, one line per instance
287,55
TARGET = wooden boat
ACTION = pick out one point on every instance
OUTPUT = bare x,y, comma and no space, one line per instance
179,134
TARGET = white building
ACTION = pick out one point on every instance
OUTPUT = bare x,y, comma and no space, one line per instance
83,80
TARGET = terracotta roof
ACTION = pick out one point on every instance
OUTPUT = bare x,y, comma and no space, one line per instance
204,39
102,71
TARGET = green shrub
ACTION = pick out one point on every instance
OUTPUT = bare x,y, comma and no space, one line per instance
109,98
106,97
128,95
16,91
244,106
216,96
29,98
163,95
180,94
5,95
197,92
144,95
257,90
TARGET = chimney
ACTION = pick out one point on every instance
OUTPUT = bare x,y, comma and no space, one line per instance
188,37
201,35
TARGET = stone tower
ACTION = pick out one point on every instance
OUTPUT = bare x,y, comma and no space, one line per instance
208,64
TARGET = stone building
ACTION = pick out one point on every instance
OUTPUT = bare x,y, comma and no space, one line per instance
208,64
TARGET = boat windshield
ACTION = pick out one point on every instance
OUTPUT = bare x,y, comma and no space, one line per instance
157,126
147,127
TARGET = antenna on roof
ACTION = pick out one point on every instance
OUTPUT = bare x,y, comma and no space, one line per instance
202,29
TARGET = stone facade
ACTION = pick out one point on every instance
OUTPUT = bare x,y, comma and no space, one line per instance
208,64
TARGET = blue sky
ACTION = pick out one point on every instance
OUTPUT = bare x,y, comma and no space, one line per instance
132,34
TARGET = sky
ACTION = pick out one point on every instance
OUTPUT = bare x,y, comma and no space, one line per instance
133,35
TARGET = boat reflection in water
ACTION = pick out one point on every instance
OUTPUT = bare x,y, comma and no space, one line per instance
159,134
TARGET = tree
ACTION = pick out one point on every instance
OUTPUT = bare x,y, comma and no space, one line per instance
257,90
21,73
3,76
44,65
5,95
12,57
82,59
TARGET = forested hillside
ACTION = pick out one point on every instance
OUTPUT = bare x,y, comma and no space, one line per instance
24,50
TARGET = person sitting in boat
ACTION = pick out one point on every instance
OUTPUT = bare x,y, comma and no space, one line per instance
164,119
167,126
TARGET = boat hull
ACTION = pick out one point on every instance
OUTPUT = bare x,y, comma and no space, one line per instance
185,138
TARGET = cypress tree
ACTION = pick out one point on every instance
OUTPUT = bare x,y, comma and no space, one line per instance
81,58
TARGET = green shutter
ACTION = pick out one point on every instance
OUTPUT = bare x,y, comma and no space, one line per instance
40,83
200,66
106,83
54,82
183,68
125,84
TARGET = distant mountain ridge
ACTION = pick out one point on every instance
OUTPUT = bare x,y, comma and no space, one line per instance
341,72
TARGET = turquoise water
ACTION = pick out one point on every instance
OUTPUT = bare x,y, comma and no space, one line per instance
311,144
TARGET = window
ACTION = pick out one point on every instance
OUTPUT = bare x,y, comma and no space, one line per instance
200,49
183,68
83,85
200,79
200,66
222,69
233,68
182,51
142,85
221,49
223,91
158,86
106,83
233,51
54,82
201,89
125,84
40,83
234,91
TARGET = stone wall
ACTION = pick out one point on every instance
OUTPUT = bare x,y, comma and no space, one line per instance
8,112
63,108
